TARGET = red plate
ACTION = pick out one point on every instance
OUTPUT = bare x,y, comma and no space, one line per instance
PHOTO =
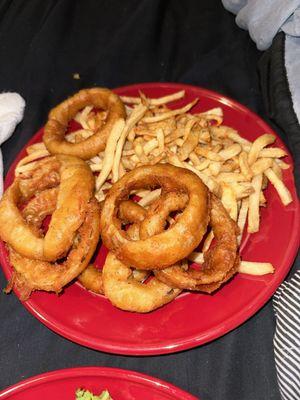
121,384
191,319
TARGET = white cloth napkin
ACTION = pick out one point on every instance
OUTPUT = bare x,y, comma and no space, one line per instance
264,18
12,107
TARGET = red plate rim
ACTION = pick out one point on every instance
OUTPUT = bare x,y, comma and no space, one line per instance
81,372
219,330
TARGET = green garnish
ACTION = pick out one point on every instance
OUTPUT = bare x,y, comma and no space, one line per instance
82,394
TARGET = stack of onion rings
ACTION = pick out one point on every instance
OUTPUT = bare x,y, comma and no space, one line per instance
48,262
148,245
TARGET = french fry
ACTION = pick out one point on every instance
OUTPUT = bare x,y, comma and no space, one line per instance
171,113
149,198
241,189
253,212
109,153
194,159
205,152
231,177
261,165
242,218
207,242
282,190
150,146
244,165
258,144
189,145
230,151
215,167
275,167
160,140
196,257
31,157
155,102
135,116
35,147
138,149
229,200
273,152
255,268
282,164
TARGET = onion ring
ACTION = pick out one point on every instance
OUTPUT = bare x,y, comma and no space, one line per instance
30,275
158,212
60,116
167,247
91,277
220,262
42,205
75,190
128,294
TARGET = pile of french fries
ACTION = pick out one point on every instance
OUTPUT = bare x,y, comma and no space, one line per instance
232,167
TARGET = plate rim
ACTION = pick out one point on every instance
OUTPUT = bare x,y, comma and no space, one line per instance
223,327
85,371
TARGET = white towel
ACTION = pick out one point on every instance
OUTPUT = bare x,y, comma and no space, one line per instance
12,107
264,18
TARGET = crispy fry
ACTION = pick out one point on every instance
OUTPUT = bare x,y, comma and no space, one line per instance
196,257
255,268
282,190
253,213
261,165
190,142
258,144
171,113
110,152
205,152
149,198
242,218
244,165
274,152
282,164
28,159
275,167
150,146
160,140
242,189
207,242
229,200
35,147
135,116
155,102
230,151
231,177
138,149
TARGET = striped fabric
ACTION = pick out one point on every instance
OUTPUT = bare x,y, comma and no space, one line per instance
286,302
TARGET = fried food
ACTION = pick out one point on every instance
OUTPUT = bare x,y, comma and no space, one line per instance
75,190
128,294
91,279
61,115
220,262
30,274
179,240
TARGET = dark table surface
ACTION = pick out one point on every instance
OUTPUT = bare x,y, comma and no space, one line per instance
114,43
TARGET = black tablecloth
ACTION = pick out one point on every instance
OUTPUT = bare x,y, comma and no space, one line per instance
114,43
